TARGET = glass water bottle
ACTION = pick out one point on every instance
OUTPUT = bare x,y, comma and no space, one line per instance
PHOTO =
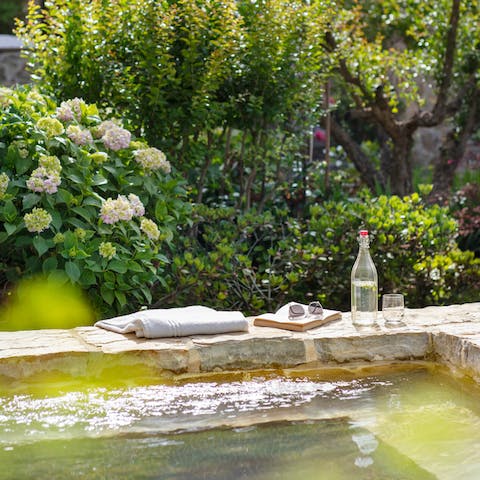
364,285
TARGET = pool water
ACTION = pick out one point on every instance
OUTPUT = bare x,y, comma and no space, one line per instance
415,422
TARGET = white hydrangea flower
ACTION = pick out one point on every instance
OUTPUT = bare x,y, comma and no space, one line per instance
150,229
152,159
37,220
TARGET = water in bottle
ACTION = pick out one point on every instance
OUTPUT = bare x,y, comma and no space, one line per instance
364,285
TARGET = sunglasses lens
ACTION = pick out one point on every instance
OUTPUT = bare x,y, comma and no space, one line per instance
296,311
315,308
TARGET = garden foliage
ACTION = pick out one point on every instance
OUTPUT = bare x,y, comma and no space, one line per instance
228,89
465,205
84,201
81,198
257,262
232,89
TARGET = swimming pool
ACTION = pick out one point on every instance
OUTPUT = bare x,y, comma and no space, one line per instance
410,421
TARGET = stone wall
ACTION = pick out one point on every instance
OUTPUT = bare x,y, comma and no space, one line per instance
449,335
12,65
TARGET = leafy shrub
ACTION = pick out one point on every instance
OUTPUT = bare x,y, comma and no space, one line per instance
465,206
229,261
79,196
229,89
413,246
258,262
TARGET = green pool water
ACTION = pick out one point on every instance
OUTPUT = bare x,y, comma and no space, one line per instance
410,423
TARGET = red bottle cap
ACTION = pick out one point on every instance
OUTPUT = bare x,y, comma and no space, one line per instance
364,233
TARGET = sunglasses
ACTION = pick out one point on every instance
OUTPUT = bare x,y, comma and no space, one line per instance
297,311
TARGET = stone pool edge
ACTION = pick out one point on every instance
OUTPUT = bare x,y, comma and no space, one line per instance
449,335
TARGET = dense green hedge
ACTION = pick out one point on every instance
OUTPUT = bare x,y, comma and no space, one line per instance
228,89
257,262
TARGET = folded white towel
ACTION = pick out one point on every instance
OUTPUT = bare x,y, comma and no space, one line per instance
176,322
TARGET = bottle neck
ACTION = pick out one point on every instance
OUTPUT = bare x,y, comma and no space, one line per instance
364,242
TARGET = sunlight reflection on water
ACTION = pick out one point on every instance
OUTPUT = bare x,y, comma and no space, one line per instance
430,419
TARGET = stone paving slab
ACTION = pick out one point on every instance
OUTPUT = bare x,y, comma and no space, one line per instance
448,334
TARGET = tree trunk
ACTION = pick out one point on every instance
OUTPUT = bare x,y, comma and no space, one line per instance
395,171
396,167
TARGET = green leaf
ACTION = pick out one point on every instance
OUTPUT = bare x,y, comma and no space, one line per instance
160,210
22,165
50,264
134,266
99,179
88,278
56,219
107,294
109,277
85,213
23,241
76,222
94,266
30,200
70,240
148,295
72,271
162,258
93,201
75,178
10,228
10,211
58,276
33,264
118,266
120,296
110,169
64,196
41,245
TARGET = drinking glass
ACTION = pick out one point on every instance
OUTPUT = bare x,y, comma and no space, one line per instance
393,308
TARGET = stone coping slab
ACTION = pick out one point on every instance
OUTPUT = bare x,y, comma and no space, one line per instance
449,335
10,42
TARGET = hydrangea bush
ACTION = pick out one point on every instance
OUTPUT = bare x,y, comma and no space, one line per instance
81,197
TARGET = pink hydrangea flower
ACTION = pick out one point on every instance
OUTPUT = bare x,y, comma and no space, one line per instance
124,208
70,110
137,205
64,112
43,180
79,135
116,138
101,130
108,212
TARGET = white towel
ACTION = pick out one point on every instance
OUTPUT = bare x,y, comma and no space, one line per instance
176,322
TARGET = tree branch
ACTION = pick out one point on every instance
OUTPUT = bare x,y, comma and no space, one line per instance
440,109
369,175
379,110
